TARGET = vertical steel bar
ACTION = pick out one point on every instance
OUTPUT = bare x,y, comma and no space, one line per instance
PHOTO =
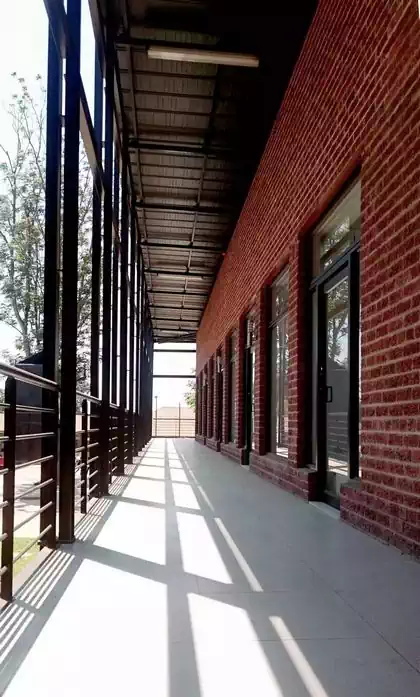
85,454
70,265
130,372
137,348
49,470
123,303
179,419
51,280
6,583
96,234
115,327
115,281
52,209
106,271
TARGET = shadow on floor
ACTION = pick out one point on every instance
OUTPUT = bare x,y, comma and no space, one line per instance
204,580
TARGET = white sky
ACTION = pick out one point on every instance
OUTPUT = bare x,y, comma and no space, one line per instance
23,49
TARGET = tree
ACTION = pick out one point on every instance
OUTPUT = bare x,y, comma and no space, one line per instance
22,220
189,396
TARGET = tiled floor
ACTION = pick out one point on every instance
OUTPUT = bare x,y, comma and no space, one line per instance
197,578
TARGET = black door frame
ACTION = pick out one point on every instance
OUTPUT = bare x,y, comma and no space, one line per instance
350,261
249,364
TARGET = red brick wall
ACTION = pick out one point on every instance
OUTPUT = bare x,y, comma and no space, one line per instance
354,98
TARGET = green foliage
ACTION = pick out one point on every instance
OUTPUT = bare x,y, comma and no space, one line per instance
22,220
189,396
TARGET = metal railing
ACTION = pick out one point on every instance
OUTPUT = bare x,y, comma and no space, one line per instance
15,461
88,454
173,427
107,436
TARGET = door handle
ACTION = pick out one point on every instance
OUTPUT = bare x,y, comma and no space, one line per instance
329,394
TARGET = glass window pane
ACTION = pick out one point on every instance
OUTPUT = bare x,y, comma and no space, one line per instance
338,231
279,366
279,296
232,380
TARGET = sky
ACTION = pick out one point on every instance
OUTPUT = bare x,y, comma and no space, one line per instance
23,49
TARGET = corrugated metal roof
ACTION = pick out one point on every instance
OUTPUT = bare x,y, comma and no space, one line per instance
195,133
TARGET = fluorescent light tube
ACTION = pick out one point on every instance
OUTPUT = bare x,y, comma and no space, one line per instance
194,55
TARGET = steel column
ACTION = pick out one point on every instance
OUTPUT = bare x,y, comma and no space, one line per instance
106,271
96,234
123,306
51,280
115,283
70,266
139,300
130,372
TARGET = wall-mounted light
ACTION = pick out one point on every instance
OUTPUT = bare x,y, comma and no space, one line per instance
194,55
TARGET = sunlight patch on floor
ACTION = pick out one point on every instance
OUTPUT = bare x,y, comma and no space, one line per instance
200,555
106,599
230,659
184,497
135,530
144,490
297,657
242,562
150,472
178,475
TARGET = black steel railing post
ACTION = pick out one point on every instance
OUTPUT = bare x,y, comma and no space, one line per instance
49,470
121,439
104,449
85,455
6,584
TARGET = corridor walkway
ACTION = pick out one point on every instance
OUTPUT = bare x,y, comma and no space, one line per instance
195,578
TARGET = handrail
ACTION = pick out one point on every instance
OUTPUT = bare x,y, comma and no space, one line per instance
27,377
88,397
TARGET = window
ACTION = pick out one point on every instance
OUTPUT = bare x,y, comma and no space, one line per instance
210,392
339,231
250,383
279,431
219,395
232,388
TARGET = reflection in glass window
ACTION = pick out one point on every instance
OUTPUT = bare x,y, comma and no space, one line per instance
338,231
279,366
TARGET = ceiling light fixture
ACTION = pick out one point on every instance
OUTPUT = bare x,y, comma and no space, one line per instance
194,55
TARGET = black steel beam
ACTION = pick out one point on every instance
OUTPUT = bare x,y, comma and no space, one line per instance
178,308
70,267
52,209
182,247
106,268
176,321
174,208
115,277
137,347
96,236
194,293
124,290
184,150
133,252
51,285
190,274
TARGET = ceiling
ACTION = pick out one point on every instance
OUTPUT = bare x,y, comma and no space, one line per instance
196,132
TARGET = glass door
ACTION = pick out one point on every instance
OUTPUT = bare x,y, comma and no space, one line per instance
337,381
336,333
249,390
